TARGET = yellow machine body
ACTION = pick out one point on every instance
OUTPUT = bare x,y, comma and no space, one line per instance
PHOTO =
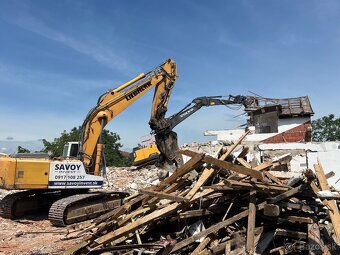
24,173
143,155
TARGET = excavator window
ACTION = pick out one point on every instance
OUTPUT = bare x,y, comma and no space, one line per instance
71,149
74,150
65,151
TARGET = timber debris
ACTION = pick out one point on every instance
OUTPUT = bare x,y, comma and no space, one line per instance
221,205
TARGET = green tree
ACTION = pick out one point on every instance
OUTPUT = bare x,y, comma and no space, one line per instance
326,128
110,140
22,150
57,146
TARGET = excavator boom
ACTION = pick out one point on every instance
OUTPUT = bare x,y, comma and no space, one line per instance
113,102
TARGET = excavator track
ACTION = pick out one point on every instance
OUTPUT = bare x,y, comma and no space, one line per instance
8,202
82,207
26,203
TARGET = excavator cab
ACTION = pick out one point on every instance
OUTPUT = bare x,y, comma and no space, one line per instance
71,149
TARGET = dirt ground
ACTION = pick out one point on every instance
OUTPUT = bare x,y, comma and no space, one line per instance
35,235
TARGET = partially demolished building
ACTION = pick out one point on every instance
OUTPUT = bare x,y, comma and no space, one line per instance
274,121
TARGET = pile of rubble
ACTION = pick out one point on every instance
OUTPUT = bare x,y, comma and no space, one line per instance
131,179
221,205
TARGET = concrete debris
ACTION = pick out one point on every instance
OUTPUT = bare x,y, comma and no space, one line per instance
211,148
130,179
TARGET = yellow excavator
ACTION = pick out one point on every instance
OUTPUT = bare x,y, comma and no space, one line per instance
165,147
62,184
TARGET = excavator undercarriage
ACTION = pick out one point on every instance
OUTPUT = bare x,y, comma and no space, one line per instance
64,207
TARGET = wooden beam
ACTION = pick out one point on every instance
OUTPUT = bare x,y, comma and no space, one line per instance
233,147
243,162
299,206
334,210
162,195
194,162
206,174
202,245
173,187
287,194
290,233
199,212
263,166
314,240
244,152
264,241
257,185
330,174
273,178
227,165
300,219
250,245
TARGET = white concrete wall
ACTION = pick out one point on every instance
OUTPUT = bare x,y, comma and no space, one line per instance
234,134
328,154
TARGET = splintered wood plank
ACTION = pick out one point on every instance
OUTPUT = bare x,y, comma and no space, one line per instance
122,233
287,194
206,174
299,206
244,152
330,174
131,227
202,245
194,162
250,245
263,166
273,178
214,228
112,215
300,219
225,247
227,165
256,185
314,240
290,233
233,147
264,241
243,162
199,212
334,210
173,187
162,195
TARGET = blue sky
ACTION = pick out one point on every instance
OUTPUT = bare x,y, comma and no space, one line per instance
58,57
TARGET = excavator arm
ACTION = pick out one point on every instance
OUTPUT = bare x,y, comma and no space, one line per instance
113,102
199,102
166,139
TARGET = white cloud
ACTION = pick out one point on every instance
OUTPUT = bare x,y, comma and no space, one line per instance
88,46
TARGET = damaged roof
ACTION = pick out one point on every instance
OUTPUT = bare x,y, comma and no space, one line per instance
289,107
